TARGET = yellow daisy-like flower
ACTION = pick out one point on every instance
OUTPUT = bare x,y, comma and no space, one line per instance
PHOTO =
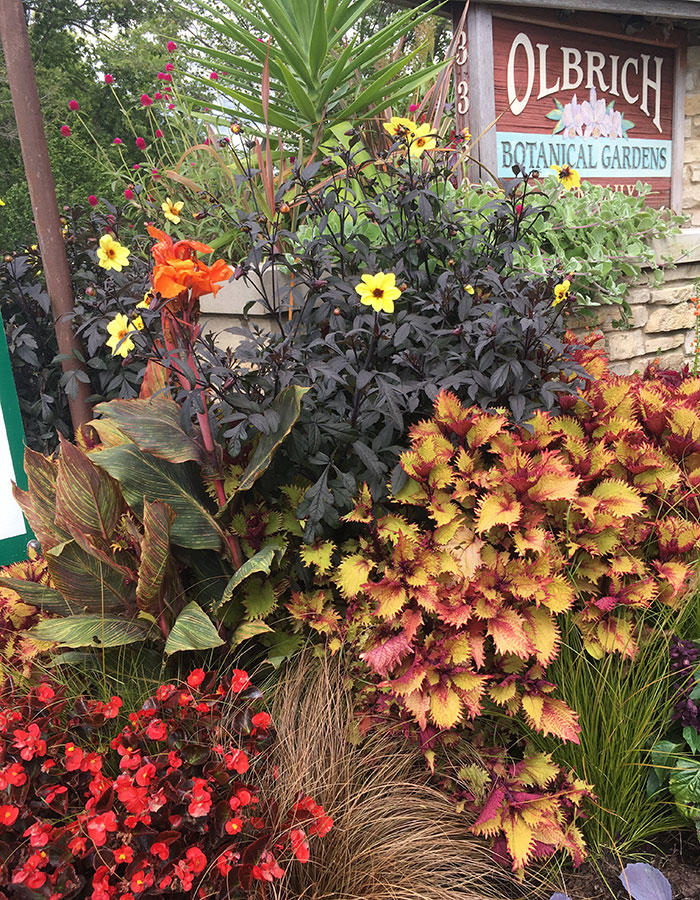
146,302
567,176
138,323
400,127
561,292
172,210
422,139
379,291
112,254
2,202
119,330
469,289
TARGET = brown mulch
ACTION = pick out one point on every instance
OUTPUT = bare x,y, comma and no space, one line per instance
678,858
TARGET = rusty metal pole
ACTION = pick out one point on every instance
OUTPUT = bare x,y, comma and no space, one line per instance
42,191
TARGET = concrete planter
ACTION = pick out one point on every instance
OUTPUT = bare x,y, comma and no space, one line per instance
228,308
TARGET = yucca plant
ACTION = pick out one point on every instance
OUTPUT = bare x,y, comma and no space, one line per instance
302,70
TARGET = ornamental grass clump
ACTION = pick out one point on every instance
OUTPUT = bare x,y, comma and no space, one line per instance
395,835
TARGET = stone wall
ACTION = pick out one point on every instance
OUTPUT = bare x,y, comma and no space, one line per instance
662,324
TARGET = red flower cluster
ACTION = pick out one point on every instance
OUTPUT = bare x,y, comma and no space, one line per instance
163,812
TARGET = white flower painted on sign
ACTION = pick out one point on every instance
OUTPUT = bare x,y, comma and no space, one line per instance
595,117
591,118
572,119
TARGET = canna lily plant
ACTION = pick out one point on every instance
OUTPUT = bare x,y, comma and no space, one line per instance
134,519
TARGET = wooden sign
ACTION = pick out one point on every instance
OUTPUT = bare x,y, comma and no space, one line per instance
603,107
14,531
541,89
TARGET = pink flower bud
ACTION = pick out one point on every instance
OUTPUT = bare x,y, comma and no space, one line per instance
136,166
157,96
168,77
154,173
117,141
140,143
413,107
169,67
146,100
129,194
172,46
109,79
65,131
214,76
159,133
74,105
92,200
171,106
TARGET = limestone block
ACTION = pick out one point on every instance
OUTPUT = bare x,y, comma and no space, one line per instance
639,295
693,173
620,368
678,317
672,359
661,342
691,150
686,127
625,344
692,104
639,314
695,127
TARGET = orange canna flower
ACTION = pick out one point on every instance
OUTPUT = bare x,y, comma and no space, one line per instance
177,268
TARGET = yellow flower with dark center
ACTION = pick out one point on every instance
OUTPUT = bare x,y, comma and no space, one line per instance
422,139
146,302
119,330
400,127
561,292
172,210
567,176
138,323
379,291
111,254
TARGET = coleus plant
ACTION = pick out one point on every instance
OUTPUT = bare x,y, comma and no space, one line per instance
178,802
450,597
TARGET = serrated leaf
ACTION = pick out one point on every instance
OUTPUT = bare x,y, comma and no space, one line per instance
259,598
287,405
193,630
91,631
146,477
351,574
497,510
618,499
319,555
